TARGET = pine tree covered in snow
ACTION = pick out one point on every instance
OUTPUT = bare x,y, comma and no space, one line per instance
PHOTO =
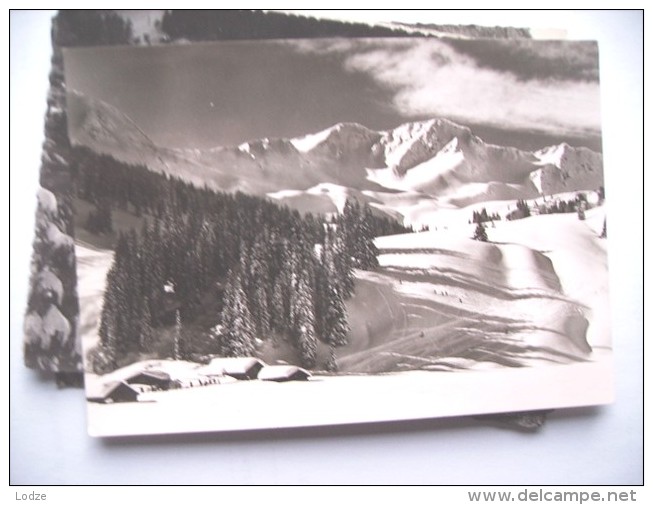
52,306
126,322
147,336
357,225
336,259
304,322
279,312
336,327
237,338
348,222
178,350
368,252
256,282
335,286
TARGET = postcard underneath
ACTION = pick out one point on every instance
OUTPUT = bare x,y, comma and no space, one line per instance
312,232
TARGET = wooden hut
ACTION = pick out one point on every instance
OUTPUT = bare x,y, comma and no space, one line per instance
283,373
155,378
115,392
238,368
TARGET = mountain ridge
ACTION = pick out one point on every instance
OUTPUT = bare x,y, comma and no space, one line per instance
435,158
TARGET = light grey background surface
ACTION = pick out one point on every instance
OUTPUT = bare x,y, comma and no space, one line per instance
48,441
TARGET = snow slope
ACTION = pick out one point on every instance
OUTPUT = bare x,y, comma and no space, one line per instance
93,265
441,301
580,259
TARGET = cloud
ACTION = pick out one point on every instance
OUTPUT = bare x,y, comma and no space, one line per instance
430,77
533,59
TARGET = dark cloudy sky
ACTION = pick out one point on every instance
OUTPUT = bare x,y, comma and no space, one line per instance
205,95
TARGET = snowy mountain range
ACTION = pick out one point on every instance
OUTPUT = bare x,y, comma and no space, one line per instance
409,171
534,295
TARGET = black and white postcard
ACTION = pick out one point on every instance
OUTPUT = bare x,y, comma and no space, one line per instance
312,232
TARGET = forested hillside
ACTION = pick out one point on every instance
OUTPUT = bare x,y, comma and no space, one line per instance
248,270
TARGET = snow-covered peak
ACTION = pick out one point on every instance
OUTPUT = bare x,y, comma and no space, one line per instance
451,147
349,135
551,155
308,142
103,127
349,128
564,168
413,143
400,140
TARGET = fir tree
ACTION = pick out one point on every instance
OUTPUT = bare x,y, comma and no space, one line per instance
152,271
304,322
260,311
279,307
238,333
147,340
604,231
255,283
348,223
367,251
336,327
178,346
337,261
357,225
480,217
480,233
330,297
523,209
332,364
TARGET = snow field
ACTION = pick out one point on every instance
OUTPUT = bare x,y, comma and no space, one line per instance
537,295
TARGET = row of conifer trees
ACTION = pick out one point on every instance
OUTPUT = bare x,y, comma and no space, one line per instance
272,270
